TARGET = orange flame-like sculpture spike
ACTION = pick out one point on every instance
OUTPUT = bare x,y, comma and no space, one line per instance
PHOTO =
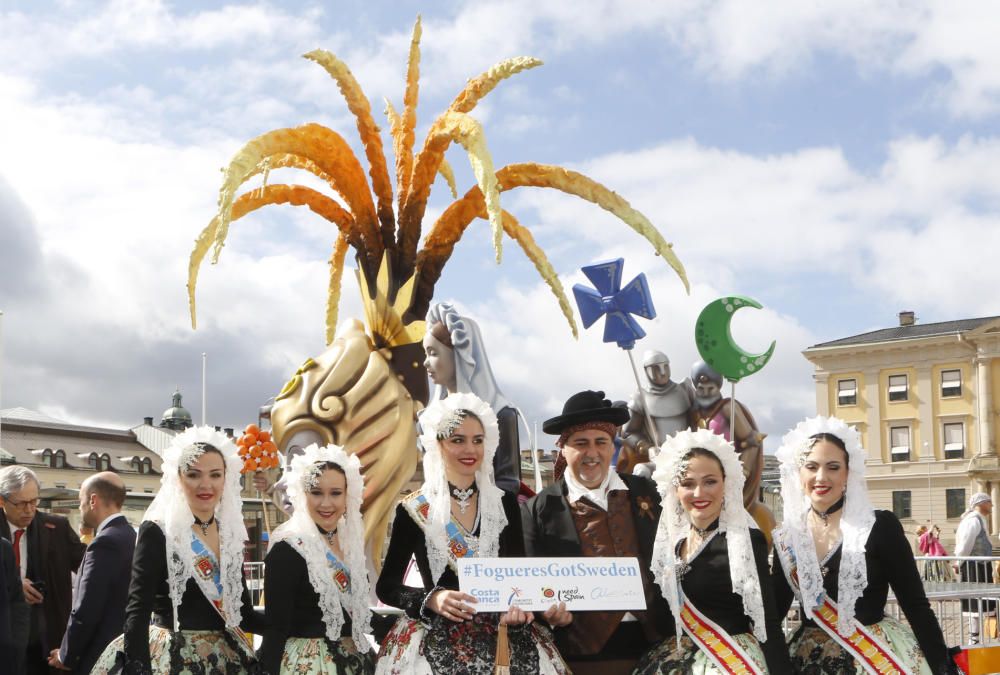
371,139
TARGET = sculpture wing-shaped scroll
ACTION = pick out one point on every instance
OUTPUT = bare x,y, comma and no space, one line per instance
349,395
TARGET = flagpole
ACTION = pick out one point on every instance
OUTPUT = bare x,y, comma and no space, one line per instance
1,378
204,388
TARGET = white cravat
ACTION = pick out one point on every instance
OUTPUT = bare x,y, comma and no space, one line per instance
599,495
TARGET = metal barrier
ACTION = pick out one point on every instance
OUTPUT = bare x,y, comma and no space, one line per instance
253,572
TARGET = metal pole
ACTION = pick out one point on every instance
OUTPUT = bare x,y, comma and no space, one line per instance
204,388
534,457
650,429
1,378
732,414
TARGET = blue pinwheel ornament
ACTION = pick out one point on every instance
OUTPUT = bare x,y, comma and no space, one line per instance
616,304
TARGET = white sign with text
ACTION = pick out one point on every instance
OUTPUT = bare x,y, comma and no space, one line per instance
535,584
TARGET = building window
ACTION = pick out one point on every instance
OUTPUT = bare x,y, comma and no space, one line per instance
954,440
951,383
897,388
847,392
901,503
955,502
59,459
92,461
102,463
147,465
899,444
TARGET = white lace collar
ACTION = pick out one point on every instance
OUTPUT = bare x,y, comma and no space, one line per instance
855,524
301,533
599,495
670,466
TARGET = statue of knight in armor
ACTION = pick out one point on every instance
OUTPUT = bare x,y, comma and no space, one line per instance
713,411
659,406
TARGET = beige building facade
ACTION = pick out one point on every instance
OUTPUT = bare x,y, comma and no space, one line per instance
924,397
63,455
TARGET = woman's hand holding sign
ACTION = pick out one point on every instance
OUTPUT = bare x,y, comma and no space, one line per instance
558,616
451,605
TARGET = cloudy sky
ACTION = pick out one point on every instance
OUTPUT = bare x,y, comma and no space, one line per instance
835,161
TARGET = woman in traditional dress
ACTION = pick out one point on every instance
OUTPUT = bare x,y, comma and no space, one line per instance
705,537
839,556
187,571
458,512
315,578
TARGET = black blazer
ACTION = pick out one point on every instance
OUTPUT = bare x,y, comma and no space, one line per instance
549,529
14,612
54,552
98,613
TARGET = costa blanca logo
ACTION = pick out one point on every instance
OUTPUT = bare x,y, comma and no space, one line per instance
567,594
548,593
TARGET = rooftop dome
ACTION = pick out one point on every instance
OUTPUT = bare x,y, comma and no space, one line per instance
177,416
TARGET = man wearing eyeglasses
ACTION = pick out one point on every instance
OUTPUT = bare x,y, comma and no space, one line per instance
46,552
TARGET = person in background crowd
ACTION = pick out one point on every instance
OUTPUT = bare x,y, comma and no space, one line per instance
458,512
593,511
102,584
315,577
711,563
187,571
840,556
929,544
14,612
47,551
973,539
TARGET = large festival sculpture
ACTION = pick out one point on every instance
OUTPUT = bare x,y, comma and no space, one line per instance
365,390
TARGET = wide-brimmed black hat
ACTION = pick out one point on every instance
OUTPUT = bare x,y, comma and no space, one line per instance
586,406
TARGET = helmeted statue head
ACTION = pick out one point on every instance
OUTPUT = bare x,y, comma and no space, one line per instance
657,367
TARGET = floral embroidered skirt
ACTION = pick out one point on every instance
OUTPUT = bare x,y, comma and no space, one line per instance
469,648
318,656
672,658
816,653
185,652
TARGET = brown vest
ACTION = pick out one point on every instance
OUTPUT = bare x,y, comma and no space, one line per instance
607,534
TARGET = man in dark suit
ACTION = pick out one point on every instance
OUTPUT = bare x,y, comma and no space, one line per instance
47,551
593,511
14,611
102,585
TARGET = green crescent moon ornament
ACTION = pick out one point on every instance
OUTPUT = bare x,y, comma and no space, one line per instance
714,337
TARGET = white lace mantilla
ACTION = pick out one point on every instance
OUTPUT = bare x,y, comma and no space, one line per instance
435,487
670,466
170,511
855,523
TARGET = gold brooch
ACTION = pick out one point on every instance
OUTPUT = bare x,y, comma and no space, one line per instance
646,507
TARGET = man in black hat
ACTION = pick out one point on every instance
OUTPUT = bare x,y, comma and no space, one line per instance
594,511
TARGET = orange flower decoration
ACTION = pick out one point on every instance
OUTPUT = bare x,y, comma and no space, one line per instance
257,450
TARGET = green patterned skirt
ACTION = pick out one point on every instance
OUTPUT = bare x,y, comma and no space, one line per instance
816,653
670,658
318,656
185,652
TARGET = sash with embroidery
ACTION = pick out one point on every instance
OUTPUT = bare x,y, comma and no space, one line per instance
419,508
715,642
207,574
341,575
869,650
